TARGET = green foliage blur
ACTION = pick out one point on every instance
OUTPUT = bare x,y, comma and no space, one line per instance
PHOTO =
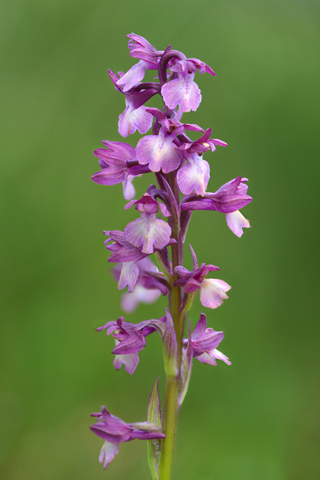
259,418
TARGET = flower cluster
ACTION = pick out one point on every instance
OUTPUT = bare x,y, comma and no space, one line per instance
181,176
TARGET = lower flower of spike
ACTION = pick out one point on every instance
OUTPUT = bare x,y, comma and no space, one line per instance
130,339
212,290
204,342
148,232
115,431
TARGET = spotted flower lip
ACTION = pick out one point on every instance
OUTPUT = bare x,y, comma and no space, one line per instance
182,91
159,152
115,431
148,231
194,176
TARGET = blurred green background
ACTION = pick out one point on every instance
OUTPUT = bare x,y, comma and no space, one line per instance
258,418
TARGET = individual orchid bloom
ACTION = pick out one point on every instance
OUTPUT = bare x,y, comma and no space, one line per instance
118,164
183,91
229,198
121,250
115,431
130,339
194,176
148,232
159,152
130,361
204,342
135,116
212,291
203,144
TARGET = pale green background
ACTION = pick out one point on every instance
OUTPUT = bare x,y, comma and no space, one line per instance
259,418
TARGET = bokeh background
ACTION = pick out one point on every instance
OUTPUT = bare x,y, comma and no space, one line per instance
258,418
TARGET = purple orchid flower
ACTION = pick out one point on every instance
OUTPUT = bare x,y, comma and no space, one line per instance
212,290
135,116
159,152
122,250
228,199
194,176
115,431
130,339
149,60
182,90
203,144
204,342
119,164
148,231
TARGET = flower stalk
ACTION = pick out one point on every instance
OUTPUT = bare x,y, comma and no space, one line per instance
182,176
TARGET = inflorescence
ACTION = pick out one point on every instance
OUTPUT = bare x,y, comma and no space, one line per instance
164,213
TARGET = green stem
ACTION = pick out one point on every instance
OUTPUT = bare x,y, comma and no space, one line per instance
170,412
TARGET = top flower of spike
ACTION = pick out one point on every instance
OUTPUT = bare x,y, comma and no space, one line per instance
176,74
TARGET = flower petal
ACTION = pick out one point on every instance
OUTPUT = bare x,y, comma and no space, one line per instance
159,153
108,452
149,232
212,292
134,119
236,222
130,362
128,276
182,91
194,176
